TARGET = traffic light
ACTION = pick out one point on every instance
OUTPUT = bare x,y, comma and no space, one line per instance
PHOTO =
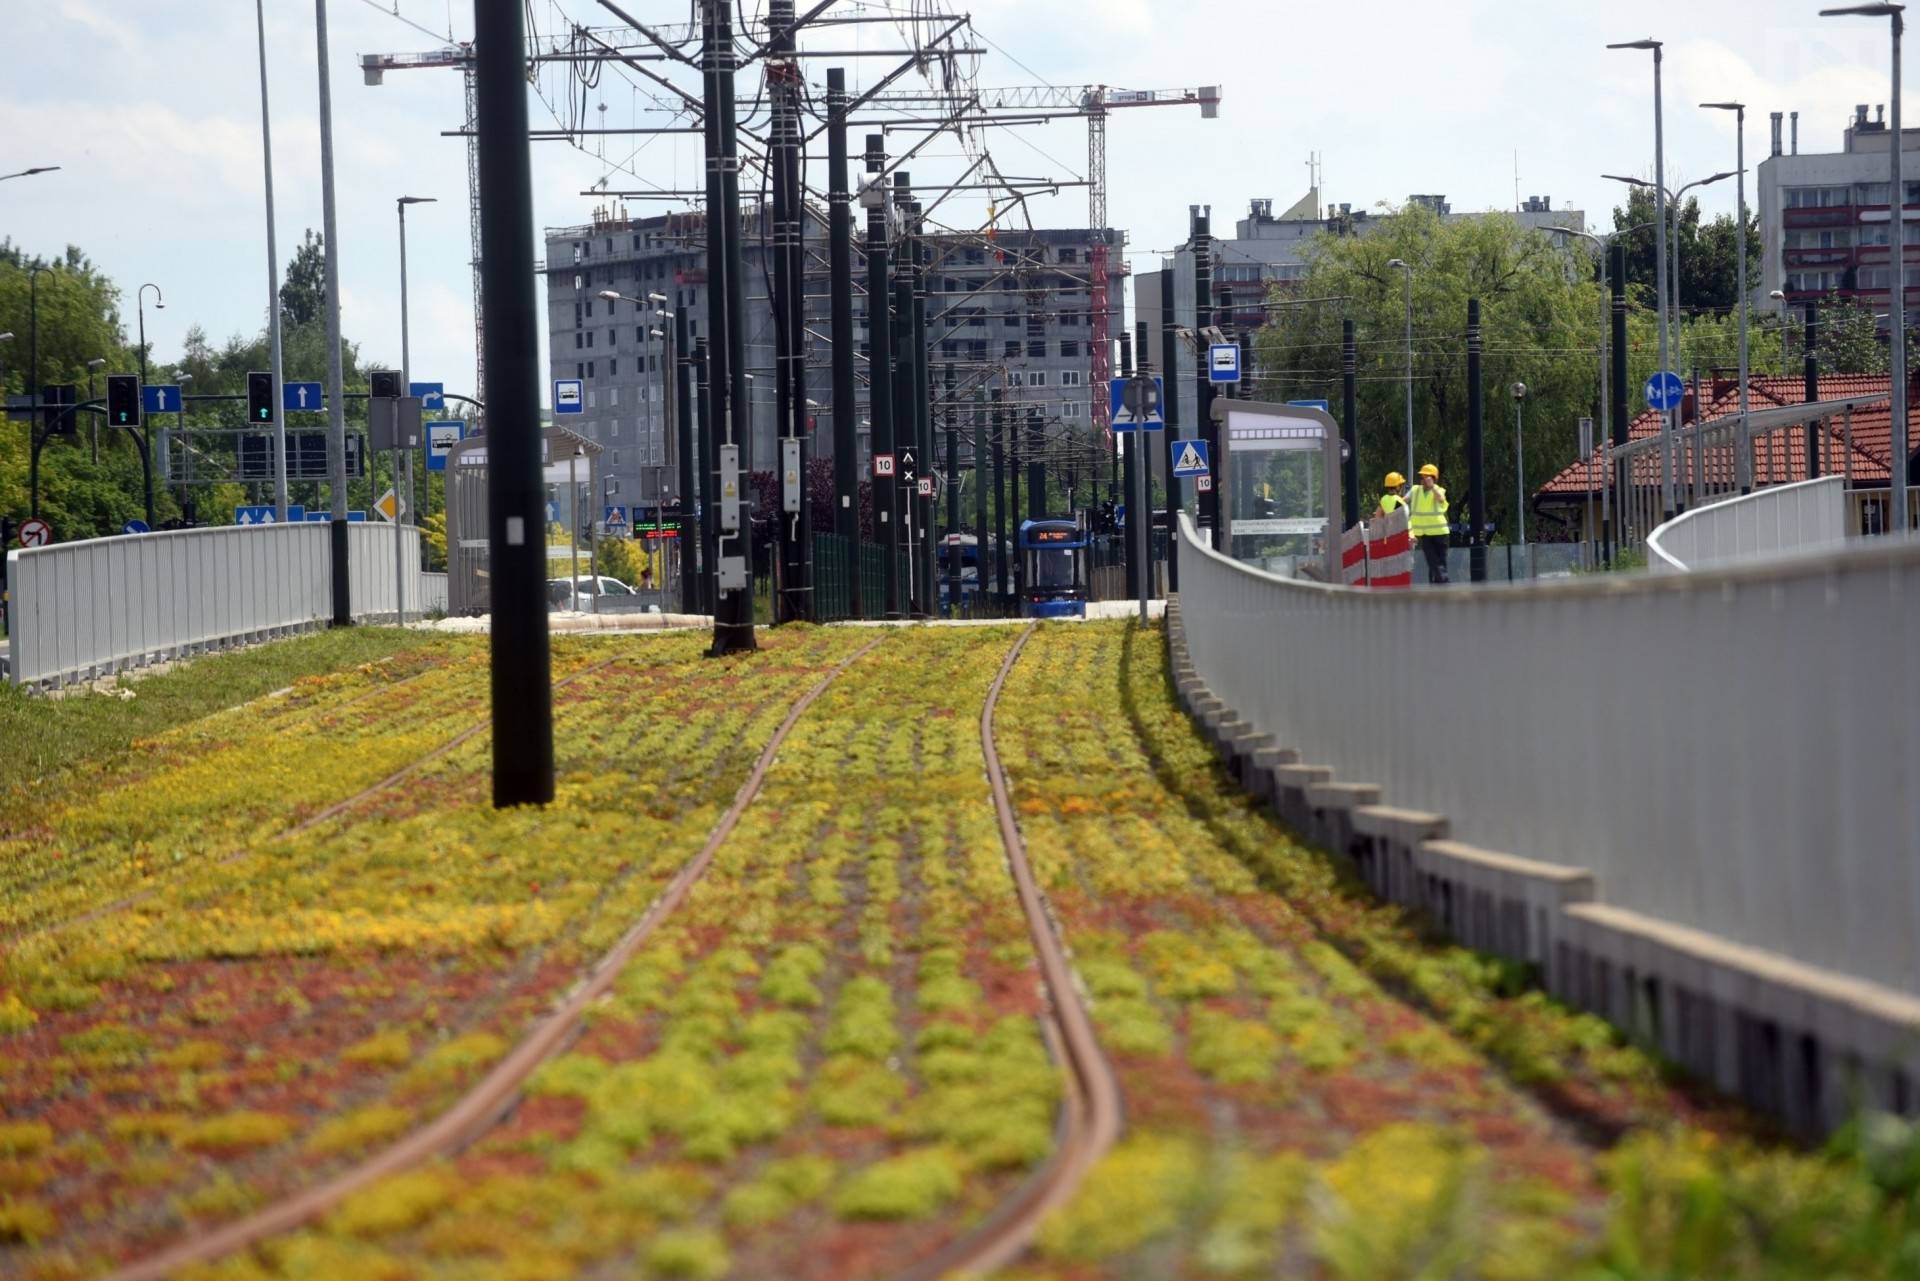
260,406
384,384
123,400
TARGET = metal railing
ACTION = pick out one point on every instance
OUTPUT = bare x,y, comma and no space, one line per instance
1809,515
1870,511
1730,750
87,609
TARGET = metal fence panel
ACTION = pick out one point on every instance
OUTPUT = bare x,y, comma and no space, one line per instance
1729,750
86,609
1810,515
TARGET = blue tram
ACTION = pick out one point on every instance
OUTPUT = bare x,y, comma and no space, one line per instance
1053,563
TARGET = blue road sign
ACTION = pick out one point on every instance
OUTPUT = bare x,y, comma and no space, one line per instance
1122,420
136,527
1190,458
310,397
433,396
553,511
569,396
1223,362
441,438
1665,390
1325,407
160,398
322,517
262,515
616,519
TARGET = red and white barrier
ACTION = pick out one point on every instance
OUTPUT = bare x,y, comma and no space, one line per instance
1388,548
1353,556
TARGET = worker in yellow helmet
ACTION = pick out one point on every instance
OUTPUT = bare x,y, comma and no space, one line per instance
1427,516
1391,501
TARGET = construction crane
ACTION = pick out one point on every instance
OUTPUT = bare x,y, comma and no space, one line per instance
1036,103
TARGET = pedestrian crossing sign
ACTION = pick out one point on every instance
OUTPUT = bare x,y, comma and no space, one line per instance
1190,458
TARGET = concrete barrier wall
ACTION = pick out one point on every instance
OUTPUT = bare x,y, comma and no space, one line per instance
1806,1044
1810,515
86,609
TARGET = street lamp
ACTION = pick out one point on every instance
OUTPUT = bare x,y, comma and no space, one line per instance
1897,239
1743,457
93,421
140,308
406,366
1407,267
1659,257
28,173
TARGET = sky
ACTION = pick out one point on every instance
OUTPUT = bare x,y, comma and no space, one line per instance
152,110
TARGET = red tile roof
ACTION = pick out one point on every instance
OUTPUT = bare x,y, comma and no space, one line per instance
1780,457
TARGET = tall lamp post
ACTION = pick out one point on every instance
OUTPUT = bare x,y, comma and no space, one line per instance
1896,236
1743,454
1659,256
275,349
1408,269
140,311
406,366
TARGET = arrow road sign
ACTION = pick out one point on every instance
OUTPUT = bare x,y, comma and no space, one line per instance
1123,418
569,396
354,517
1223,362
432,395
883,465
35,532
263,515
136,527
160,398
310,397
1190,458
1665,390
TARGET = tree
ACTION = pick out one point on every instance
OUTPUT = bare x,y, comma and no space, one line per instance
1540,319
1709,253
303,293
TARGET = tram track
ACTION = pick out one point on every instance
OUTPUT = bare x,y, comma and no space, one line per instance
495,1094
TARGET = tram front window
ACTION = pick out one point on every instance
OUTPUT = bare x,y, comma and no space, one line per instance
1053,568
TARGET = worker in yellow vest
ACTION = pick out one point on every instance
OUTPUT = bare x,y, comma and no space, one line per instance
1427,517
1391,501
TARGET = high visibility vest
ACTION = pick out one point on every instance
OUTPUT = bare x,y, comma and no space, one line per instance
1429,512
1391,504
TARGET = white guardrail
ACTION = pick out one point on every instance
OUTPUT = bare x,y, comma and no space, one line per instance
1810,515
86,609
1733,750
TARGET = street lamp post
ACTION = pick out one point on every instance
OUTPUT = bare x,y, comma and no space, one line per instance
1408,269
1897,240
1743,453
273,283
406,367
93,420
1659,258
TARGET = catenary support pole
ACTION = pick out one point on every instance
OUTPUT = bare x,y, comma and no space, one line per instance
1129,464
733,615
521,663
686,527
1810,382
981,535
1002,584
709,426
846,414
1350,423
1203,389
880,370
336,375
1170,414
953,499
1476,451
1617,273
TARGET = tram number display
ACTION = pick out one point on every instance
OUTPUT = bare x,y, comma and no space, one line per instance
1052,535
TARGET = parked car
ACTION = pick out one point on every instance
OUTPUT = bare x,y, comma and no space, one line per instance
598,595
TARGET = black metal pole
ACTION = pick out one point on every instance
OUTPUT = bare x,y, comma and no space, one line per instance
923,399
1350,421
1476,451
1170,411
690,541
880,370
953,499
905,414
1810,371
1617,400
1203,389
846,416
733,615
980,476
1036,467
1129,452
1001,583
1014,429
521,662
792,521
709,424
